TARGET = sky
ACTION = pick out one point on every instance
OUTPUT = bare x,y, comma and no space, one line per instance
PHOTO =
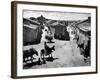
56,15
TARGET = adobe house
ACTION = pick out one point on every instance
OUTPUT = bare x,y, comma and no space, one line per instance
59,30
83,30
31,32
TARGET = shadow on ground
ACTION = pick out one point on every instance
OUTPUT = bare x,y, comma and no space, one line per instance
39,63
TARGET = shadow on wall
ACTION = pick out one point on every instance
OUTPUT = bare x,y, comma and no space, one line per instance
61,36
31,36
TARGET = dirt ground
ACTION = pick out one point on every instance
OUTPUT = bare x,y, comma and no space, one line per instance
66,54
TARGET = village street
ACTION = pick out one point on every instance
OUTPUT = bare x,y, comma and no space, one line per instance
66,54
